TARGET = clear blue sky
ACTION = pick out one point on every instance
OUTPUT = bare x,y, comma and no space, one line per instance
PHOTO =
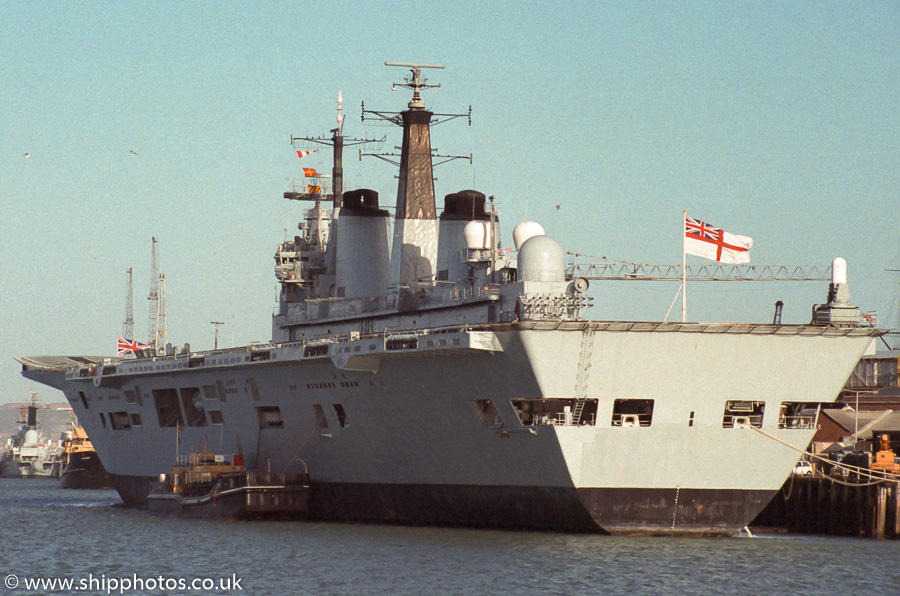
776,120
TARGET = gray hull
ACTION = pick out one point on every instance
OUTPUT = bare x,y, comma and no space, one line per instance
638,511
404,442
37,466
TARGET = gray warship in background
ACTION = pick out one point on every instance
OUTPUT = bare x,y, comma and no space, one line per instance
29,453
447,382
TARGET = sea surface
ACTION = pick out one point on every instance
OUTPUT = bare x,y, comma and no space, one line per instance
51,534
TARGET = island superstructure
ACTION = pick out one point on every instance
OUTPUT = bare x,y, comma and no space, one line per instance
423,375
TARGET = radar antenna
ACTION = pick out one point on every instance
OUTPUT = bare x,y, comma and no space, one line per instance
416,82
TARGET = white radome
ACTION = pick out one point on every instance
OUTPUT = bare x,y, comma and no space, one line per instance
525,230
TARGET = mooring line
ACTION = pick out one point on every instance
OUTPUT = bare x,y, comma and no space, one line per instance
886,477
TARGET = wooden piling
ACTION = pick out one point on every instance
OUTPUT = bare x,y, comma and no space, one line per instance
896,510
880,509
823,506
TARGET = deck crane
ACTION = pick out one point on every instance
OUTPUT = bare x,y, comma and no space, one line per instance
621,270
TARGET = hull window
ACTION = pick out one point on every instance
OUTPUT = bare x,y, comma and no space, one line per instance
193,406
321,422
215,417
487,412
269,417
315,351
253,389
120,420
742,413
556,411
341,415
632,412
260,355
167,410
136,420
798,415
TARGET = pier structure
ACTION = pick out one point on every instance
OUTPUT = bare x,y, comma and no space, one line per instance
822,505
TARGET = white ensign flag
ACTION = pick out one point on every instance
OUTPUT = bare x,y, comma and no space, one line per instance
709,242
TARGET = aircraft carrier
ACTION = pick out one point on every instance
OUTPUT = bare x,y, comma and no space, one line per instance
444,381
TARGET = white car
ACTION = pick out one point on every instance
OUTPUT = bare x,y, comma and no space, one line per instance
803,468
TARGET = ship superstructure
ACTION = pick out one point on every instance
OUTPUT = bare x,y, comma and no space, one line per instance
424,375
28,453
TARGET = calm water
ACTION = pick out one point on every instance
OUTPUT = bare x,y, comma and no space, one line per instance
50,533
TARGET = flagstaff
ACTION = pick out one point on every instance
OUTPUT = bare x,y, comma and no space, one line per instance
683,266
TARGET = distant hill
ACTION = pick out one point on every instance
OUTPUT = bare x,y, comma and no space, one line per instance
52,419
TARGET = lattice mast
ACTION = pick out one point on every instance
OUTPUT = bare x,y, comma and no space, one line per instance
153,326
162,332
128,323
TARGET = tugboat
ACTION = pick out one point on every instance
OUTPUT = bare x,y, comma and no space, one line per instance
208,485
82,467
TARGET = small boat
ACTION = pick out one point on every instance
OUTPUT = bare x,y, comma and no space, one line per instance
204,484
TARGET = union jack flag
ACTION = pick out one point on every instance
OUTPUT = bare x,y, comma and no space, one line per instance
710,242
126,346
700,229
